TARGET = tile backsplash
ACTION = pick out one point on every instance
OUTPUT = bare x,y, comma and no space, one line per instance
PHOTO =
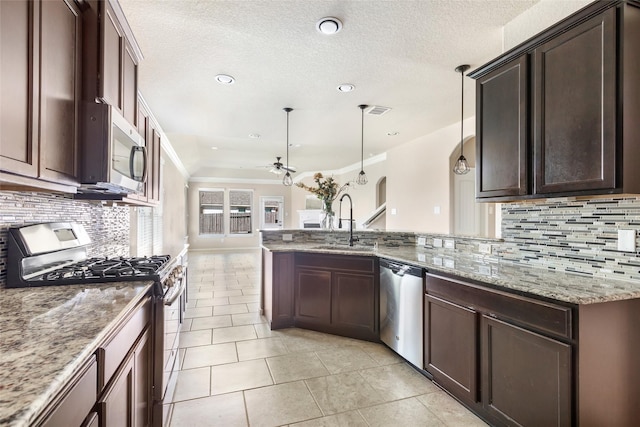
572,235
107,226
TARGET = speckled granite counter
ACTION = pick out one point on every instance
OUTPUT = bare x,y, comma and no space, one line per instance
46,335
564,287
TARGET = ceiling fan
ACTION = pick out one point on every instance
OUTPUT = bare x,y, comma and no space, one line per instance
278,167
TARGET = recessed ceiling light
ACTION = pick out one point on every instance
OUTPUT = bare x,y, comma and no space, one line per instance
254,135
393,133
225,79
329,25
346,87
214,148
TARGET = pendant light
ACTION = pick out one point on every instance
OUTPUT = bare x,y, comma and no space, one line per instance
287,180
461,167
362,177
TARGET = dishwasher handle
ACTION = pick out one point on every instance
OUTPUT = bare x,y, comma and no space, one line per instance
401,269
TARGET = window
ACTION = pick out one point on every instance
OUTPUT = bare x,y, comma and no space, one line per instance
240,211
226,212
211,211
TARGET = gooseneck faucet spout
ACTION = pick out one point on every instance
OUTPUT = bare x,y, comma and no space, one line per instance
351,238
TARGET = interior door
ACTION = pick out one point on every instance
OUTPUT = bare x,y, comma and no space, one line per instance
271,212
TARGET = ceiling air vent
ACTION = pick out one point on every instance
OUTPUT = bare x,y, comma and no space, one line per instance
377,110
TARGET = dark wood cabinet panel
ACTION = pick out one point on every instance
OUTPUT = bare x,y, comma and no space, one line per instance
116,405
60,34
526,378
313,296
112,59
502,133
574,78
278,288
355,304
129,86
451,343
18,88
143,381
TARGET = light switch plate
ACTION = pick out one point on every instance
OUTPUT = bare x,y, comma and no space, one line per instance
484,248
436,210
287,237
627,240
449,244
422,241
437,261
394,211
437,243
449,263
421,258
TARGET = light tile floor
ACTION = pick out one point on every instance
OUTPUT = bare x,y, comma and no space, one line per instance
237,372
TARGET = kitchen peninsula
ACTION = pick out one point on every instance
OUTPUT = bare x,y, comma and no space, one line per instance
569,337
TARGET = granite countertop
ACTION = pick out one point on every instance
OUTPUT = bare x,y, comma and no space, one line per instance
47,333
523,280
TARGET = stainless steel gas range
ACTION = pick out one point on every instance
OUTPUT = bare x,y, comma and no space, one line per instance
53,254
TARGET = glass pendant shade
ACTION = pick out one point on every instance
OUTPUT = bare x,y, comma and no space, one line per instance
362,177
287,180
462,166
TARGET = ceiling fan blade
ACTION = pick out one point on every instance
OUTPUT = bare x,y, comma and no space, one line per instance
289,168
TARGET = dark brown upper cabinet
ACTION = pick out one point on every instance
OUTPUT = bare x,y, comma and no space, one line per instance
111,60
555,114
41,84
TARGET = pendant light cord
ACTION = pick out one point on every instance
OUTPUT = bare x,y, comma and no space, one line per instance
362,140
287,141
462,113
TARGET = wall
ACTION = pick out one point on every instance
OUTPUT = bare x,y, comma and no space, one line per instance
363,196
538,18
418,180
198,242
107,226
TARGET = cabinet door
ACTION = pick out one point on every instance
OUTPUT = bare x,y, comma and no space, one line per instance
451,347
354,305
575,109
60,29
142,395
112,38
130,86
116,407
502,133
17,88
313,296
526,378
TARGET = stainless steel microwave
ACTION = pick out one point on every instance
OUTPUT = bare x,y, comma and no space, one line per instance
114,157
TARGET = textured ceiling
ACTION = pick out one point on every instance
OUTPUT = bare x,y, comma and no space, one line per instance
398,54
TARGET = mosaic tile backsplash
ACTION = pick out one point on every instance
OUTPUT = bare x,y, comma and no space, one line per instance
577,236
107,226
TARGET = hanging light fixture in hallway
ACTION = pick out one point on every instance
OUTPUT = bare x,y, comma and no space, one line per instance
362,177
461,167
287,180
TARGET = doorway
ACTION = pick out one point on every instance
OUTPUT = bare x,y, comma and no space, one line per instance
271,212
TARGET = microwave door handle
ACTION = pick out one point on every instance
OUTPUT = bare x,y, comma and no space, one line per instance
144,163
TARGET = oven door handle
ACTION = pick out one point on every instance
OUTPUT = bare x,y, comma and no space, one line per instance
177,294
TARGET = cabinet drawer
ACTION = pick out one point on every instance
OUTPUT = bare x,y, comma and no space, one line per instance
534,314
77,404
111,354
337,262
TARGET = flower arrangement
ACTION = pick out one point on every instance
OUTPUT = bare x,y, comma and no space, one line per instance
327,190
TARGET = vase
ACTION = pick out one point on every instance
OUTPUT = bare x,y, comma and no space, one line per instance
327,217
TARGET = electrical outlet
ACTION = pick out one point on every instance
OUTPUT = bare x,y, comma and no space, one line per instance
394,211
627,240
437,243
437,261
449,263
436,210
422,241
287,237
484,248
421,258
449,244
484,270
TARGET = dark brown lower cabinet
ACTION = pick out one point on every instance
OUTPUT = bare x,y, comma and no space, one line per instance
495,352
127,400
277,288
526,377
337,294
450,347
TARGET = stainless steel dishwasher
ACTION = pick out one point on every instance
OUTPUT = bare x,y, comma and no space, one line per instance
401,322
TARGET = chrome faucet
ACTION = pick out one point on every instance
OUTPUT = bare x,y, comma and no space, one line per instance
351,238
